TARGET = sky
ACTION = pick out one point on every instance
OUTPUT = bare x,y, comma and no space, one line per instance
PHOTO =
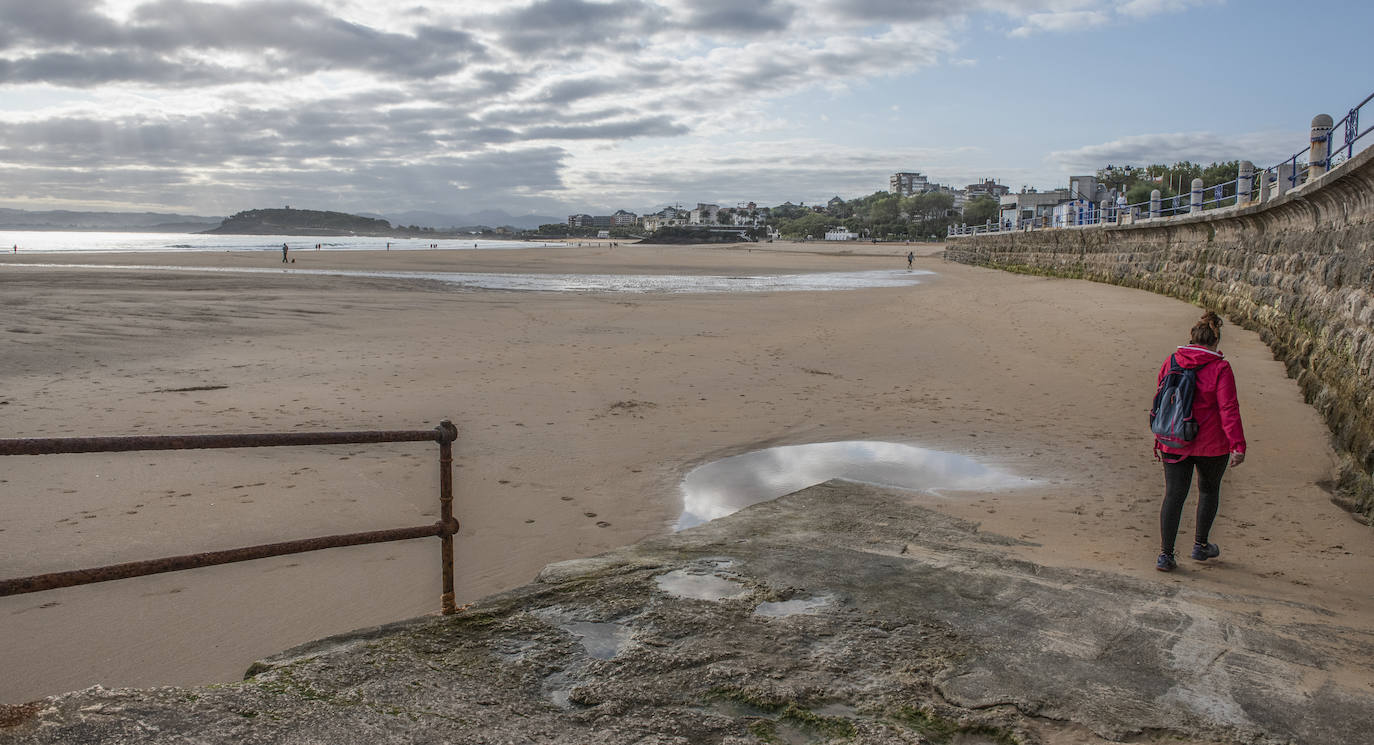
562,106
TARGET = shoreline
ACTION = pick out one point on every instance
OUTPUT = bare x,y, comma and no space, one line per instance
572,404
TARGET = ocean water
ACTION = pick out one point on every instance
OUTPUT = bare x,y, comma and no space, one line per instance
40,241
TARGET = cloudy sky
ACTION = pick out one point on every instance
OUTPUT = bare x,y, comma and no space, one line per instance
558,106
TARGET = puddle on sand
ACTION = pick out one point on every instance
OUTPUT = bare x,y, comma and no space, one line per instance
683,583
631,283
796,607
731,484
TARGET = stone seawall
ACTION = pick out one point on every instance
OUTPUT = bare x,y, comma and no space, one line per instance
1298,269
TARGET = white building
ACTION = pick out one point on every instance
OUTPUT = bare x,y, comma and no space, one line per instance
705,214
664,218
840,233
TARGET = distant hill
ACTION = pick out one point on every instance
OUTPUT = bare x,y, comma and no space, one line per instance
149,222
301,222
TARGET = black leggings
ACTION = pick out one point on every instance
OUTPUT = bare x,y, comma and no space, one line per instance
1178,478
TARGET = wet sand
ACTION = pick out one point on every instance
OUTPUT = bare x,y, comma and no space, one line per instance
579,414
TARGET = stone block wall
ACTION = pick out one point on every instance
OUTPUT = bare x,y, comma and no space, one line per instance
1299,270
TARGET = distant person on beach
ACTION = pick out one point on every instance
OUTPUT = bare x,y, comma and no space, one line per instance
910,257
1220,441
283,253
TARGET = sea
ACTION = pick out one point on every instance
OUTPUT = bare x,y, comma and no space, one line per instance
55,241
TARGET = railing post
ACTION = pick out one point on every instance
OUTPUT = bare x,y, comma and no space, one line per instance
1321,151
1244,182
1155,204
1352,131
1195,202
446,434
1287,177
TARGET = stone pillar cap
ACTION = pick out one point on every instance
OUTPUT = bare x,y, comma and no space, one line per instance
1322,121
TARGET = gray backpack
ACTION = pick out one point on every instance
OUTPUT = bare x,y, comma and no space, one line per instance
1171,415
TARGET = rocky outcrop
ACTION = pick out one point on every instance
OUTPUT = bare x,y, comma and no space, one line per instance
1299,270
301,222
842,613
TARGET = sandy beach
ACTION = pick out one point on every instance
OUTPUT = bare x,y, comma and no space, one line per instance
579,414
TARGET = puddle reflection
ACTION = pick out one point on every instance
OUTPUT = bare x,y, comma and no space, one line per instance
670,284
691,585
601,640
797,607
731,484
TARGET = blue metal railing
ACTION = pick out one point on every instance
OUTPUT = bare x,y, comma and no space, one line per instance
1293,170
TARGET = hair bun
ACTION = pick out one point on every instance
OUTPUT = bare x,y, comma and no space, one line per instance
1211,319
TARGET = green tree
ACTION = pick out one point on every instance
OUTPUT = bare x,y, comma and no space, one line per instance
885,210
980,210
813,224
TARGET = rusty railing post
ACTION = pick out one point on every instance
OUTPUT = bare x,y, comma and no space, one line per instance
447,433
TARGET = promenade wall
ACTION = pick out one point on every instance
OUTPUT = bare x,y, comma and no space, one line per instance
1298,269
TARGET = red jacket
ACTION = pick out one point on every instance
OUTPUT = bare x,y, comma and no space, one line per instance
1215,406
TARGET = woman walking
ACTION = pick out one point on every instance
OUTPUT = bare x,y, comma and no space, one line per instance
1220,441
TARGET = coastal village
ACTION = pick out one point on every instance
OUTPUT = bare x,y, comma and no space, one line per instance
936,205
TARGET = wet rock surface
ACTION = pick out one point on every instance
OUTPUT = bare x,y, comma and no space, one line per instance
882,622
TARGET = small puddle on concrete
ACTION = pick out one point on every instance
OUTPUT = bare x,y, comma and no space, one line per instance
796,607
683,583
558,688
731,484
601,640
837,709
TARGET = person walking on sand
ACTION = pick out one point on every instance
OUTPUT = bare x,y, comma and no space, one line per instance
283,253
1220,441
910,257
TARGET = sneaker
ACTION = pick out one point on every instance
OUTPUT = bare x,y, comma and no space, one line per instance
1205,551
1165,563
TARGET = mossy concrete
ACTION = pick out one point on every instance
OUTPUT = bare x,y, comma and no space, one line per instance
924,630
1299,270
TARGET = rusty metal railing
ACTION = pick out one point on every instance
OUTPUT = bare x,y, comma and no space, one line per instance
445,528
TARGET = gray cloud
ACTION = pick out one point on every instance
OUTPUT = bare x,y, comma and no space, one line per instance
69,42
499,178
1262,148
734,17
90,69
567,91
889,11
75,22
441,106
570,27
652,126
